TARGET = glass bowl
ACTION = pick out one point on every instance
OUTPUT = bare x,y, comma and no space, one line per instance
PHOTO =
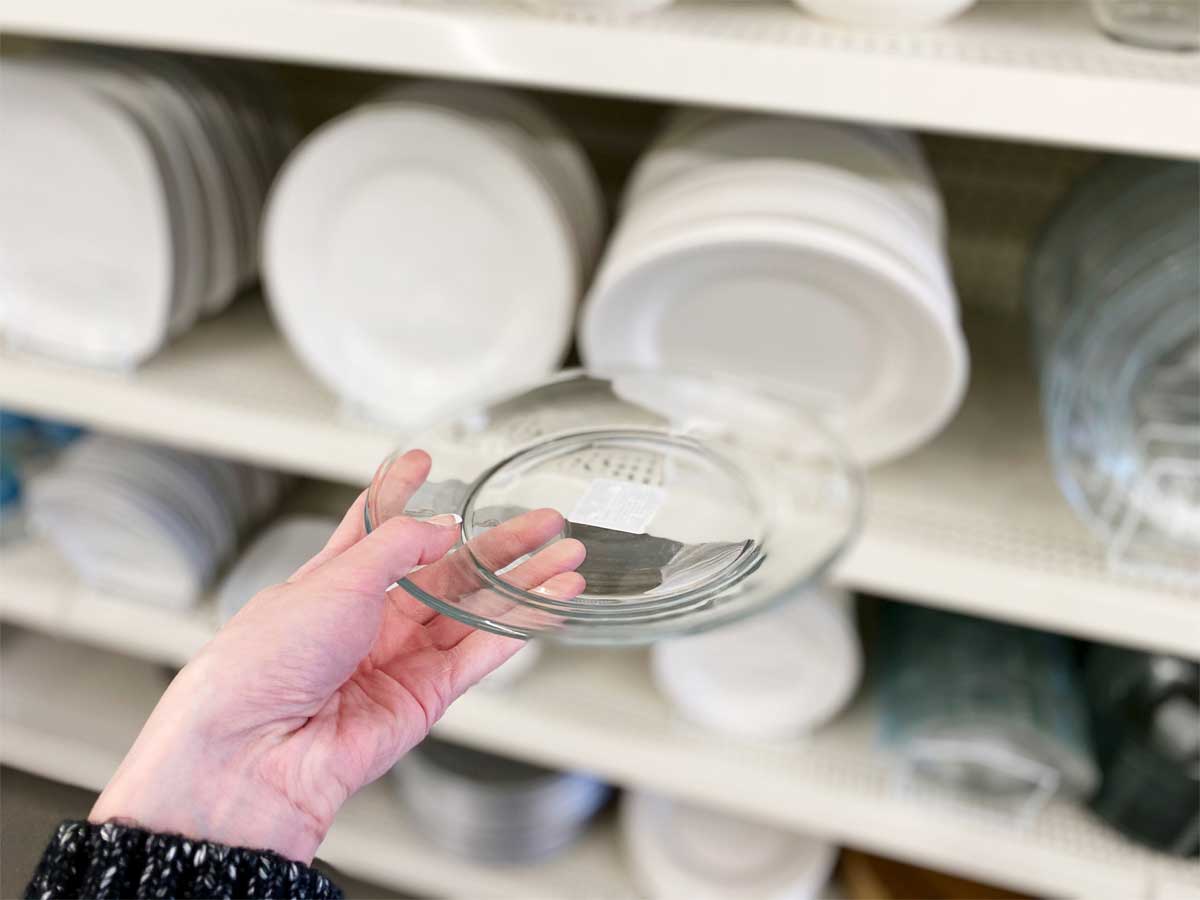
698,500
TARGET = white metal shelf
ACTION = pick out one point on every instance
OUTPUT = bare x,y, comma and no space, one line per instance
972,522
1035,70
70,713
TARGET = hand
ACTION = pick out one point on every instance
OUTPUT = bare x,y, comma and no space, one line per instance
318,686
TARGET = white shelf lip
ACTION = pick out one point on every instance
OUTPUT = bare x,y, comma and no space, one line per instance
598,711
972,522
68,735
1034,71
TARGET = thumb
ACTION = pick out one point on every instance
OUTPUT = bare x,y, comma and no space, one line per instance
381,558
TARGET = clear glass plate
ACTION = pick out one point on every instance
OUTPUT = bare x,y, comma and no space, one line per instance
698,500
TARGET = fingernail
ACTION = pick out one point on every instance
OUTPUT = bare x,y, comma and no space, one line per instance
446,520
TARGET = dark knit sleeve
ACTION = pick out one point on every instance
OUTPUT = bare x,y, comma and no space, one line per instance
113,860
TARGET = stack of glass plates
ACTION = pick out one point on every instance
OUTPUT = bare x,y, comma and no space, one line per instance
677,850
805,255
130,192
685,502
493,809
1114,294
145,521
280,549
430,245
775,676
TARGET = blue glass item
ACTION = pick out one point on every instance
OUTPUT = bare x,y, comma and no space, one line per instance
986,708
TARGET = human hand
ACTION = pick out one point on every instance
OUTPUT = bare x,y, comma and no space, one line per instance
319,685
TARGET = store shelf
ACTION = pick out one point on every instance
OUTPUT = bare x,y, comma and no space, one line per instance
69,713
972,522
1036,70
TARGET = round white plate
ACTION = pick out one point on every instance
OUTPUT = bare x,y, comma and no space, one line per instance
80,185
817,313
558,154
282,548
805,191
679,850
729,137
886,13
775,676
414,259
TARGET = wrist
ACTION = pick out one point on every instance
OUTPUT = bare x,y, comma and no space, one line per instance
187,774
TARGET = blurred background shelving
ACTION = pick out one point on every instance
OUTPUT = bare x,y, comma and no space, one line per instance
973,522
1035,70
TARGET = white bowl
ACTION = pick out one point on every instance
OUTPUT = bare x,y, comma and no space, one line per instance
886,13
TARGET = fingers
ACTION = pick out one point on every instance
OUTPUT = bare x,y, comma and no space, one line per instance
405,475
386,555
549,572
479,653
457,575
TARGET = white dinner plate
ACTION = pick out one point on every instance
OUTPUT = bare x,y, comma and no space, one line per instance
414,258
724,138
282,548
680,850
819,314
80,183
775,676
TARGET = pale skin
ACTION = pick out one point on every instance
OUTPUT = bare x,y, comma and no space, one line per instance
319,685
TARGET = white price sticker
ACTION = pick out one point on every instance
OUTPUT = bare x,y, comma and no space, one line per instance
619,505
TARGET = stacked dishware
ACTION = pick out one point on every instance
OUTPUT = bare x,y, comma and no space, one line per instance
27,446
1146,718
131,187
807,256
144,521
280,548
493,809
1114,294
429,246
679,850
778,675
992,711
1158,24
886,13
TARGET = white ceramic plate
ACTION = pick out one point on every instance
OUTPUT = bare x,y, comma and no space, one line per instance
678,850
804,191
886,13
774,676
705,140
820,315
282,548
79,185
413,259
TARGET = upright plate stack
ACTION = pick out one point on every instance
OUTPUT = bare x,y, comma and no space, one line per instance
131,187
430,245
1114,294
805,255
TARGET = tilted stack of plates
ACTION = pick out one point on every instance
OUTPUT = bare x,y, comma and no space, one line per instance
280,549
493,809
678,850
430,245
806,255
145,521
131,187
1114,295
778,675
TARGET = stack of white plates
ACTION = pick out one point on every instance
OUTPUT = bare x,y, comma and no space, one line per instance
806,255
677,850
145,521
777,675
130,193
886,13
429,246
280,549
493,809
